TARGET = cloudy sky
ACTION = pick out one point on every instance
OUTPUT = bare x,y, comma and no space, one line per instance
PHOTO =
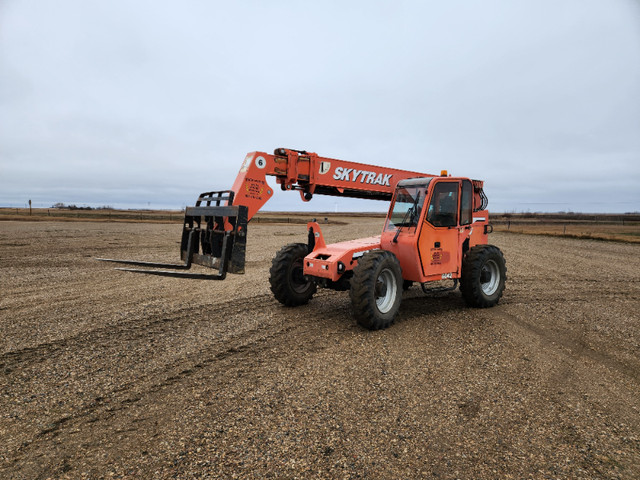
147,103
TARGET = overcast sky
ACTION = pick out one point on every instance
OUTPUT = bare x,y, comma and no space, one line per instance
148,103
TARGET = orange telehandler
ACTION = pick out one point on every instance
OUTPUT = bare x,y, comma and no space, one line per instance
436,229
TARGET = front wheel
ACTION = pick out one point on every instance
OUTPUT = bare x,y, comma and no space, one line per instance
286,276
376,289
484,274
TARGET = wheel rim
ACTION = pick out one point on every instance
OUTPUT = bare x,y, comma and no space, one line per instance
298,283
385,291
490,278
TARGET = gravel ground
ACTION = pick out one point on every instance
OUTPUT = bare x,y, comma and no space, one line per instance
105,374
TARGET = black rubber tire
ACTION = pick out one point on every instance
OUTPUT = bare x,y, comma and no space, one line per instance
376,289
484,273
285,276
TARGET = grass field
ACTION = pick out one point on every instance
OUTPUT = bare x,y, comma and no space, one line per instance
622,228
615,227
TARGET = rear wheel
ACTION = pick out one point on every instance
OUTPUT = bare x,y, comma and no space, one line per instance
484,273
376,289
286,276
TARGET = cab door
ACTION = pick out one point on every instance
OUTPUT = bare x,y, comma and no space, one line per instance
439,244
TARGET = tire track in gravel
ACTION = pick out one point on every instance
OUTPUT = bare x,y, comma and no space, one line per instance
576,347
568,361
235,341
241,351
21,366
104,410
130,330
126,330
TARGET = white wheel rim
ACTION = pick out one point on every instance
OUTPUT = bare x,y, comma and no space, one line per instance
385,301
490,270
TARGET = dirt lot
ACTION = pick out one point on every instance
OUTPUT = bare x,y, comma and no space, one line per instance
112,374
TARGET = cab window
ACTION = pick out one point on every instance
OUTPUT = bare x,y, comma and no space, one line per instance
466,203
407,206
443,207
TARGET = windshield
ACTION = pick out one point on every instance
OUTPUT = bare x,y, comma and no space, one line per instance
407,206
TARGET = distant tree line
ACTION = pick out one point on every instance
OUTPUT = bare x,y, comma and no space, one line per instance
62,206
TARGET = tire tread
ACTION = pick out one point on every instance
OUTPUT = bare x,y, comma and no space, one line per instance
470,286
279,272
363,281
